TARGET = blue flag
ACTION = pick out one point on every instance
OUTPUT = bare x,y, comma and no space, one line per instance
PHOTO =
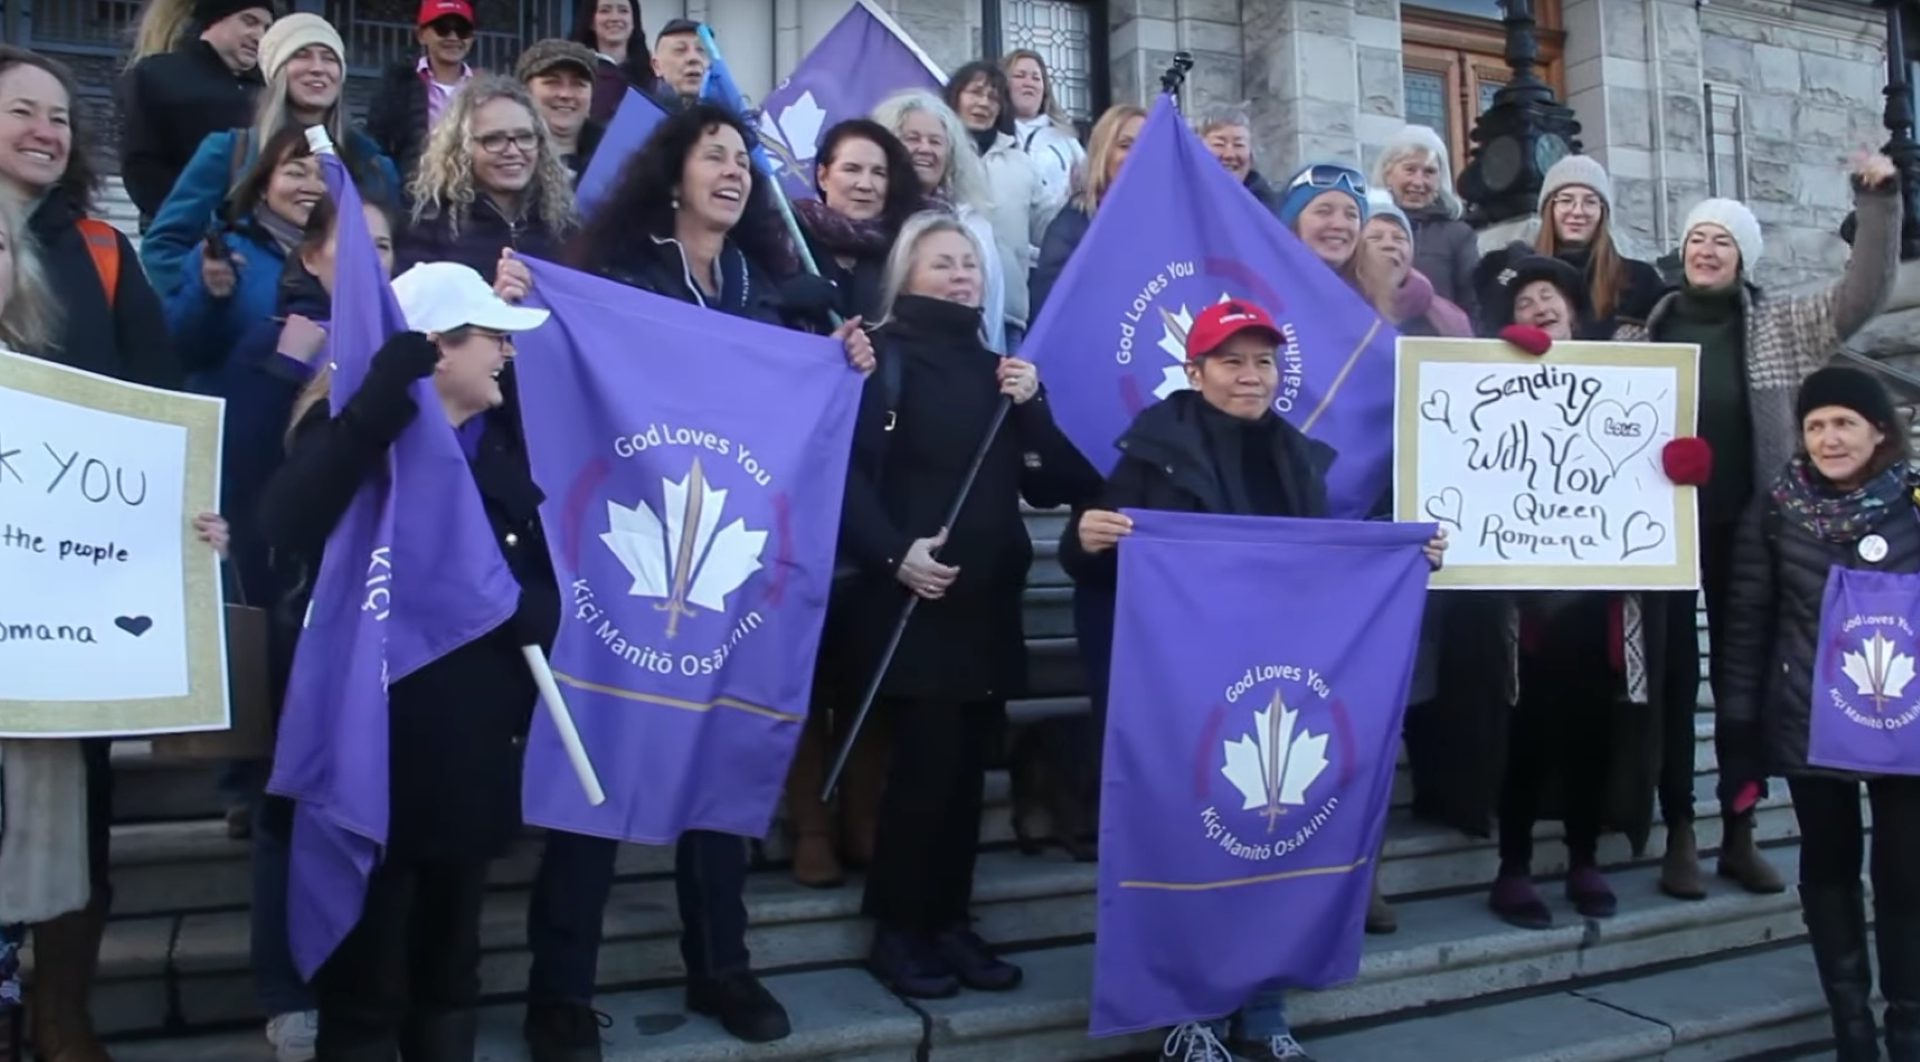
410,574
693,465
1260,671
720,88
632,124
862,60
1176,233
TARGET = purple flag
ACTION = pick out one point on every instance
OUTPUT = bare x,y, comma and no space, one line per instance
1175,234
1260,670
693,465
410,574
632,124
862,60
1865,700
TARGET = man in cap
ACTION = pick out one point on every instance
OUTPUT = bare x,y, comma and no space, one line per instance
414,93
559,75
681,61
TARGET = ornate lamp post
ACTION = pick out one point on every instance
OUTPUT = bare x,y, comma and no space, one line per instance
1521,135
1899,120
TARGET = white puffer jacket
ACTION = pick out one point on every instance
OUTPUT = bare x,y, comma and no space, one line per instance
1019,214
1057,156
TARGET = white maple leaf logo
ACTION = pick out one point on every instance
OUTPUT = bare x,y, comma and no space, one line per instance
797,130
1878,670
1173,340
686,558
1273,766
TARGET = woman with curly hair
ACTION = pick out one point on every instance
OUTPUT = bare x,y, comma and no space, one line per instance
489,183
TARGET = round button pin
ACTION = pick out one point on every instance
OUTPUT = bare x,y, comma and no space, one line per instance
1873,549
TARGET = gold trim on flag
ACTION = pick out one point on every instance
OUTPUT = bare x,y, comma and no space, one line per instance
676,702
1333,388
1259,879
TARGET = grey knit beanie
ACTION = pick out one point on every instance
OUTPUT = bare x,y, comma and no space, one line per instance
1579,170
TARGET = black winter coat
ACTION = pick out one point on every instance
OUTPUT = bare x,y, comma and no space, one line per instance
397,115
125,337
168,104
856,289
455,792
659,265
1446,251
1779,580
967,646
482,234
1063,237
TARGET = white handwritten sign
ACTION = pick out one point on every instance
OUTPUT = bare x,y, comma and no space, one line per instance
1546,471
110,610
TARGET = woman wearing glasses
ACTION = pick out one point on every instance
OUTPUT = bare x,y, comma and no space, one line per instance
1576,226
490,183
414,93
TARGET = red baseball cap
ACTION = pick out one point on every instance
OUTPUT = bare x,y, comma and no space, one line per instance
1224,320
435,10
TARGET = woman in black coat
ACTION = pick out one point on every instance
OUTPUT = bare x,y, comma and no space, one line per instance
408,972
963,654
1845,501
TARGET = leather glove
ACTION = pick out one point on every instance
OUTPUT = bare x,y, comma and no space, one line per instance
809,301
382,403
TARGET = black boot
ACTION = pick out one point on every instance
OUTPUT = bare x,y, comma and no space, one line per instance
742,1005
1837,923
449,1036
1898,939
556,1031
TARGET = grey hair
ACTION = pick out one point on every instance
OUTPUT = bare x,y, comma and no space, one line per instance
900,259
1422,141
1222,116
965,183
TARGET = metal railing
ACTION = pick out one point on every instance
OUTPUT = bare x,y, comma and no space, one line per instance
86,27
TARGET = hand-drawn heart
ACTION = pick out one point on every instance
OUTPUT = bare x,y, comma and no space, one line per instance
1639,534
134,625
1619,432
1438,408
1446,507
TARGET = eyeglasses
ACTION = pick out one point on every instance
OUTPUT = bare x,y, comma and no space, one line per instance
497,143
502,340
452,27
1586,202
1328,176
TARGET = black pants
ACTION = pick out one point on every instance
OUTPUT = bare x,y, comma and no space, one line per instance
1679,712
1561,731
570,897
414,953
96,754
1833,844
928,834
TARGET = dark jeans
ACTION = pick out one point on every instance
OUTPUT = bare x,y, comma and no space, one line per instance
1680,712
97,754
414,953
570,897
928,834
1833,844
1561,730
276,980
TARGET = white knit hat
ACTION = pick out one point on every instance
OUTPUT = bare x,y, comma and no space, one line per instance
1579,170
1737,220
284,39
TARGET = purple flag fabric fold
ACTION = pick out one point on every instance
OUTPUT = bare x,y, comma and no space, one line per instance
693,465
1175,234
632,124
410,573
1260,671
862,60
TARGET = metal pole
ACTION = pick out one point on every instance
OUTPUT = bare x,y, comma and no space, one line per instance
1899,120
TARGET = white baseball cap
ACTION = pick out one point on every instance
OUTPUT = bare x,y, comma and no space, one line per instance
442,296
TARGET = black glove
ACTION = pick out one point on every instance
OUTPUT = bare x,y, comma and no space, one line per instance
382,403
809,301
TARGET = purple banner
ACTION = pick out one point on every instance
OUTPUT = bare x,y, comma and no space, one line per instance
1866,703
632,124
1175,234
862,60
410,574
693,465
1260,670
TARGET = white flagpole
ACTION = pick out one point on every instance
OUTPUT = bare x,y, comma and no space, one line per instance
563,722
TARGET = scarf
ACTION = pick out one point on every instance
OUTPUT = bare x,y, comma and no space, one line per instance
838,234
1809,500
285,234
984,139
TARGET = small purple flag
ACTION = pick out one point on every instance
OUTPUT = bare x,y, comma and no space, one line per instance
632,124
1174,235
862,60
1260,670
693,465
410,574
1866,703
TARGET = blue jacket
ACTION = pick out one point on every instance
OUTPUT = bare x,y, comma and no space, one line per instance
206,329
195,201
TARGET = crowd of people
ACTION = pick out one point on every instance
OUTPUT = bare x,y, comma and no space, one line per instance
942,227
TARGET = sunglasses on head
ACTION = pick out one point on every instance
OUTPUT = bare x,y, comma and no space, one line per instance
1327,176
452,27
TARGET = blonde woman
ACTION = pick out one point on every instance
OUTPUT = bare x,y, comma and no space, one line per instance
1414,169
1041,128
1112,140
490,182
952,175
305,65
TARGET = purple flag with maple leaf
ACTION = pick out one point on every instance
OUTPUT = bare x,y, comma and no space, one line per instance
410,573
632,124
693,464
1866,705
1260,671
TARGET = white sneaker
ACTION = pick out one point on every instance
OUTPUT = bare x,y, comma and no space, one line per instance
1286,1047
1195,1042
292,1035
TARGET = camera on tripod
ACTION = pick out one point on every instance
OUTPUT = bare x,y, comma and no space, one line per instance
1176,74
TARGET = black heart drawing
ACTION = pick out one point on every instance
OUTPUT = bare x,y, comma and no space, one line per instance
1438,408
1651,535
134,625
1446,506
1620,432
